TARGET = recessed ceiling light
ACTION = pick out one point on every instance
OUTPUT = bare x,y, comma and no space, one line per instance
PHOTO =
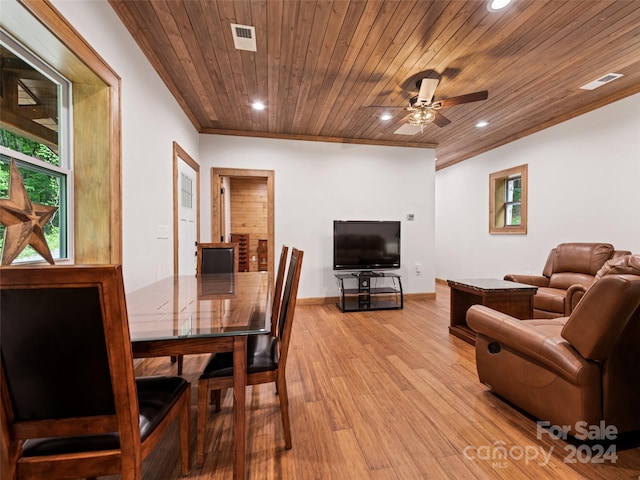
482,124
258,106
497,5
385,116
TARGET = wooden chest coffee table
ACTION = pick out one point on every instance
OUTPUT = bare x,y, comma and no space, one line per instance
515,299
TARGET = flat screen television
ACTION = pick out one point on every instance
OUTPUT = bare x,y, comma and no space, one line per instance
366,245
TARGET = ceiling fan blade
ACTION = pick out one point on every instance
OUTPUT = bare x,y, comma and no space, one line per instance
440,120
468,98
427,89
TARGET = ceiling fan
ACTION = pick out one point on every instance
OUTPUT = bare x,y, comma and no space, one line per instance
424,109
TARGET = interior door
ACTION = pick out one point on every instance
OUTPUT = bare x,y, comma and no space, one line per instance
186,211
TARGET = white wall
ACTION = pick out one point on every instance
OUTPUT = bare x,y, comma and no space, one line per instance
583,186
316,183
151,121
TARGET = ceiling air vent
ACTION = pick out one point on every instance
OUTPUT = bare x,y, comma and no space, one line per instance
609,77
244,37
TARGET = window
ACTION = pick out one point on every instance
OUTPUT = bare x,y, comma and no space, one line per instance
508,201
186,191
513,202
35,132
94,133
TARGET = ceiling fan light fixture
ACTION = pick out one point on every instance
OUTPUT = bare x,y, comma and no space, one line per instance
497,5
421,116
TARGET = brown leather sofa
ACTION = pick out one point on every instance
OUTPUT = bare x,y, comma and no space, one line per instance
581,368
570,269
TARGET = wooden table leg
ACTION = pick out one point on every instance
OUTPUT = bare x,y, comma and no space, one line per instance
239,406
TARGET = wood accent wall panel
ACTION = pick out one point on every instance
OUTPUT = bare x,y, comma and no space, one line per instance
268,176
91,184
249,202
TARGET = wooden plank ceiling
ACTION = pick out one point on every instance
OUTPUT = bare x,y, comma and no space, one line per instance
321,66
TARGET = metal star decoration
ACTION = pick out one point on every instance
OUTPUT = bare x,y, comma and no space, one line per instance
23,220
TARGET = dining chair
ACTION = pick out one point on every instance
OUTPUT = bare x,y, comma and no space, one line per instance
217,258
266,361
212,258
70,404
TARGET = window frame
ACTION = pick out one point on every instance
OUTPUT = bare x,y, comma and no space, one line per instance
498,201
65,146
97,121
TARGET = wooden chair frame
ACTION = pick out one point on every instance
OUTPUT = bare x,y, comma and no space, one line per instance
277,290
126,460
284,328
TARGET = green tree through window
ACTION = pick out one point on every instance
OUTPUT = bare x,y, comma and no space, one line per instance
43,186
512,201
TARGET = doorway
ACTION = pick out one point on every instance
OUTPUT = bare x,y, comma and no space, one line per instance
186,211
243,203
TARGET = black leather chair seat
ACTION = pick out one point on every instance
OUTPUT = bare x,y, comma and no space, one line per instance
156,395
262,356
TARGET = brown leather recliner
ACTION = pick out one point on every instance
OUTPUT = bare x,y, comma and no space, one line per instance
570,269
584,368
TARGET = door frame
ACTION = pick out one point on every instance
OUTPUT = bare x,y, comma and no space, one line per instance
269,175
180,154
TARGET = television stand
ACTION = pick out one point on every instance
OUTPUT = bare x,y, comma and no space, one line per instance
367,273
369,291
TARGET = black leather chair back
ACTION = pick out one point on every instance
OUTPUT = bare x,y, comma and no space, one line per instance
54,353
217,260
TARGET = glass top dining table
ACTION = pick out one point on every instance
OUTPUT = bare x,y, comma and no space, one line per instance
187,306
184,315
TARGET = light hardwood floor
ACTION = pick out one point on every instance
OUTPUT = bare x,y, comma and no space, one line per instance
385,395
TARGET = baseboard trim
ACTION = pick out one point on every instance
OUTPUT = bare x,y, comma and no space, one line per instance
420,296
316,301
